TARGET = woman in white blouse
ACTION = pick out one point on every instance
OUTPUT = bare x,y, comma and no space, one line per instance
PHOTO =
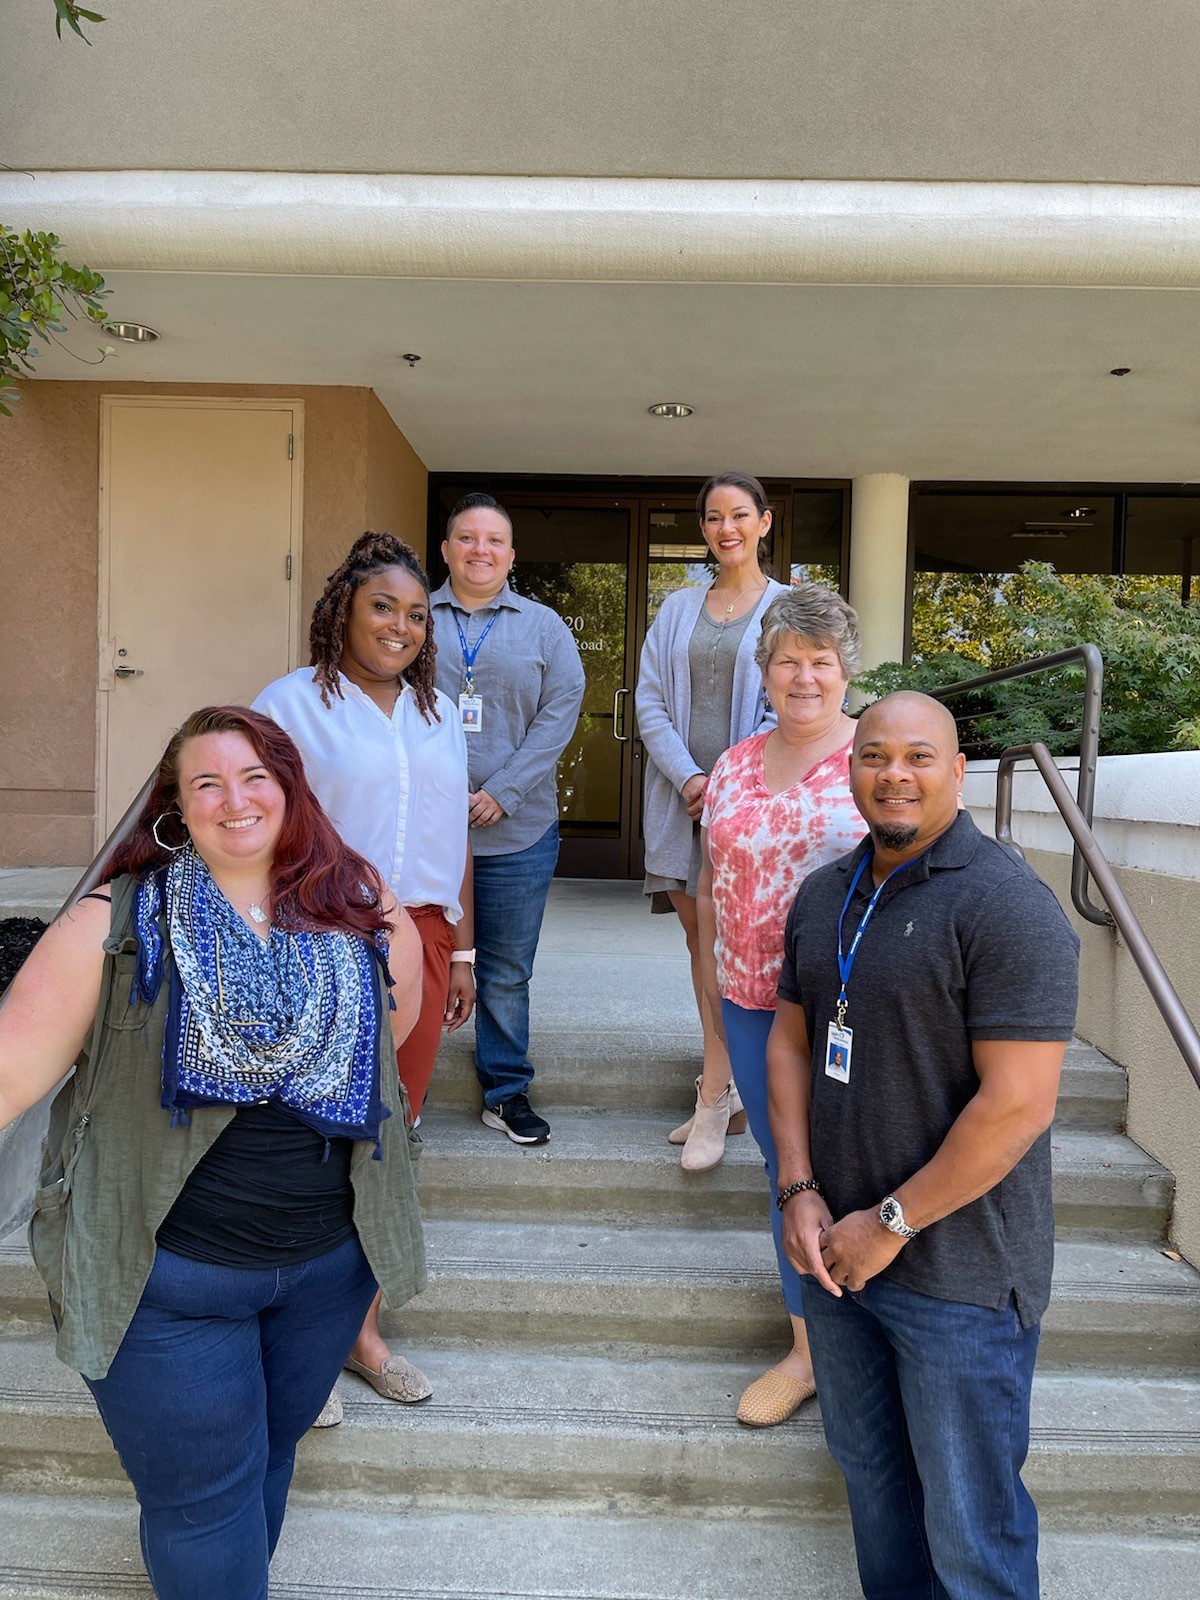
386,756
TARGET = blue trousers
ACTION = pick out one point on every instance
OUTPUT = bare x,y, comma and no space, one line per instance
222,1371
926,1410
746,1040
510,898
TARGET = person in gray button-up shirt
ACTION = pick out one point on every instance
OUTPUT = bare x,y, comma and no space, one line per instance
512,667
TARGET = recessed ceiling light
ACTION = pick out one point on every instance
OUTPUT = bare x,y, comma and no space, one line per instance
410,358
131,332
671,408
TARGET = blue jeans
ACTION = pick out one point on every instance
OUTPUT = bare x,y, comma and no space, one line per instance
221,1372
510,897
926,1411
746,1040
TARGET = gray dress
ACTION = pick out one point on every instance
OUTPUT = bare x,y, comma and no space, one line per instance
712,652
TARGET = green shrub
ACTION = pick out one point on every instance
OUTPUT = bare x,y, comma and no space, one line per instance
969,626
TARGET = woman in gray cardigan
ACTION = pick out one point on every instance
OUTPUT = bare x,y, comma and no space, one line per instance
699,691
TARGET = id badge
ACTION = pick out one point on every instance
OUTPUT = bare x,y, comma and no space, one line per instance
837,1053
470,710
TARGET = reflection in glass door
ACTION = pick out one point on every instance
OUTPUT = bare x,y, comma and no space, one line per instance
576,559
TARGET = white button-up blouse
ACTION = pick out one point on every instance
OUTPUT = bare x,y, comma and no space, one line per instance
395,788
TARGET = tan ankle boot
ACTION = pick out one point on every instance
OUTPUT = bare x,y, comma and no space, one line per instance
737,1117
706,1143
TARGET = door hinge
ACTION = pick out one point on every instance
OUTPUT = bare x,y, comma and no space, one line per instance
289,569
291,446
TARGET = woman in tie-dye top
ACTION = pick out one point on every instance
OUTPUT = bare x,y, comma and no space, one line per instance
776,806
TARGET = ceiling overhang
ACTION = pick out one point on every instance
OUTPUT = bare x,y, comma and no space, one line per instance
735,231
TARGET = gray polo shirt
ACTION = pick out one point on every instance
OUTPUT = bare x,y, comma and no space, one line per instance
529,677
966,944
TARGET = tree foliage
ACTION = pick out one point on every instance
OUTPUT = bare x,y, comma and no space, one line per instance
969,625
73,15
38,290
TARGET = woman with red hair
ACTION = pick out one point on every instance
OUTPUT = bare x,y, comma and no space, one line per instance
227,1179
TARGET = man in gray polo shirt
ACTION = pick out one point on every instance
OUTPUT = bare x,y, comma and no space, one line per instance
927,994
512,667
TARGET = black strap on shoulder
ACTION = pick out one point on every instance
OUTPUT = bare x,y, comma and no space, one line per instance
107,898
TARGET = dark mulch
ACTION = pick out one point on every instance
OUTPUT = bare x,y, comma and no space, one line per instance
18,935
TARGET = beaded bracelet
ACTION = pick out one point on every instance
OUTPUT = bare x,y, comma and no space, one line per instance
784,1195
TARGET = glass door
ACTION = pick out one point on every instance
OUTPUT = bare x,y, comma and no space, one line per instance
576,557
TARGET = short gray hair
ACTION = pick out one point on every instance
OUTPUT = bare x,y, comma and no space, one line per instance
819,617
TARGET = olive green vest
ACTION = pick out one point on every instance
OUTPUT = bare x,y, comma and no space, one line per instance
114,1166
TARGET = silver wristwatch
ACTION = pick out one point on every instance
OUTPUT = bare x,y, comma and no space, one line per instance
891,1214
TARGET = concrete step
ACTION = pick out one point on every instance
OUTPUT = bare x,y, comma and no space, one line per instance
618,1169
653,1292
36,891
595,1434
649,1069
61,1550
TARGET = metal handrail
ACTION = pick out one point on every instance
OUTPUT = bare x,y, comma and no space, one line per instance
1122,915
1089,751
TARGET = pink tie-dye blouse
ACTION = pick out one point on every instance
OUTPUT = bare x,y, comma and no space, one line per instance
763,846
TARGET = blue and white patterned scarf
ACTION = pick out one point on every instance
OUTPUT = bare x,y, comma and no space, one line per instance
292,1019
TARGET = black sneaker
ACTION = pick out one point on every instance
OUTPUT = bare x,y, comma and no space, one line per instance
518,1119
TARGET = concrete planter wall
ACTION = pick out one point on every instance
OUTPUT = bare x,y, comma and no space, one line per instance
1147,819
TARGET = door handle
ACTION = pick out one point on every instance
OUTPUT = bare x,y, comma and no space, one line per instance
619,716
127,672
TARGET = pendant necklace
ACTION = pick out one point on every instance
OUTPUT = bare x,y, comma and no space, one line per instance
738,596
257,912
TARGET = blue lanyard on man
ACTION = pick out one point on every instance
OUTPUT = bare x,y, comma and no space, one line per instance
469,655
846,962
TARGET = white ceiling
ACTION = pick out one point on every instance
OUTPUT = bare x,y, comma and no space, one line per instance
1085,90
958,383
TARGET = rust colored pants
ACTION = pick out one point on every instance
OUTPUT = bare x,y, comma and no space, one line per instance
416,1056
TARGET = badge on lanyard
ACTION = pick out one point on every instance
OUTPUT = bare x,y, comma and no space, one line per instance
837,1053
840,1040
470,704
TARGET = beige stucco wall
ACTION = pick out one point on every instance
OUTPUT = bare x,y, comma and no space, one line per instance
1117,1015
49,542
397,482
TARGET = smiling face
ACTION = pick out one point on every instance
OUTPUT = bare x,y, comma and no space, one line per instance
906,772
387,625
805,683
232,806
478,549
732,526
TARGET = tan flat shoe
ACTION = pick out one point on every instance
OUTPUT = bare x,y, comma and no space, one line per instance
331,1412
397,1379
772,1399
737,1118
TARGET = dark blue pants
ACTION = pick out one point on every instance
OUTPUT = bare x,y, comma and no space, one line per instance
221,1373
926,1411
746,1040
510,898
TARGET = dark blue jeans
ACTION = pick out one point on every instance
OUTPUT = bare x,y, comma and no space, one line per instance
510,897
746,1040
926,1411
221,1373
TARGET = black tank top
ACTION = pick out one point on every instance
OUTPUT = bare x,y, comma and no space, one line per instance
270,1192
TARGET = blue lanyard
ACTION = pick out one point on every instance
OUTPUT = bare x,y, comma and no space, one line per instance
846,962
470,655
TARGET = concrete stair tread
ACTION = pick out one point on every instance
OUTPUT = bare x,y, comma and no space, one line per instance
630,1136
342,1555
525,1390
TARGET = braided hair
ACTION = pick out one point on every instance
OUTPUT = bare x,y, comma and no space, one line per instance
327,633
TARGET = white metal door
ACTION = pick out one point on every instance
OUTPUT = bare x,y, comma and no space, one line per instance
199,533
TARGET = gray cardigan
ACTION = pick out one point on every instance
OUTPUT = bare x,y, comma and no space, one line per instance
664,709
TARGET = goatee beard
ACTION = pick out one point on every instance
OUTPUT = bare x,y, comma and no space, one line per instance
893,836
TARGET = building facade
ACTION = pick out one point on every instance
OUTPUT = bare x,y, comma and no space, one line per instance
931,278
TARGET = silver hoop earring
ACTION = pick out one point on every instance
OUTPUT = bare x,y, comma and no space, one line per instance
173,849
